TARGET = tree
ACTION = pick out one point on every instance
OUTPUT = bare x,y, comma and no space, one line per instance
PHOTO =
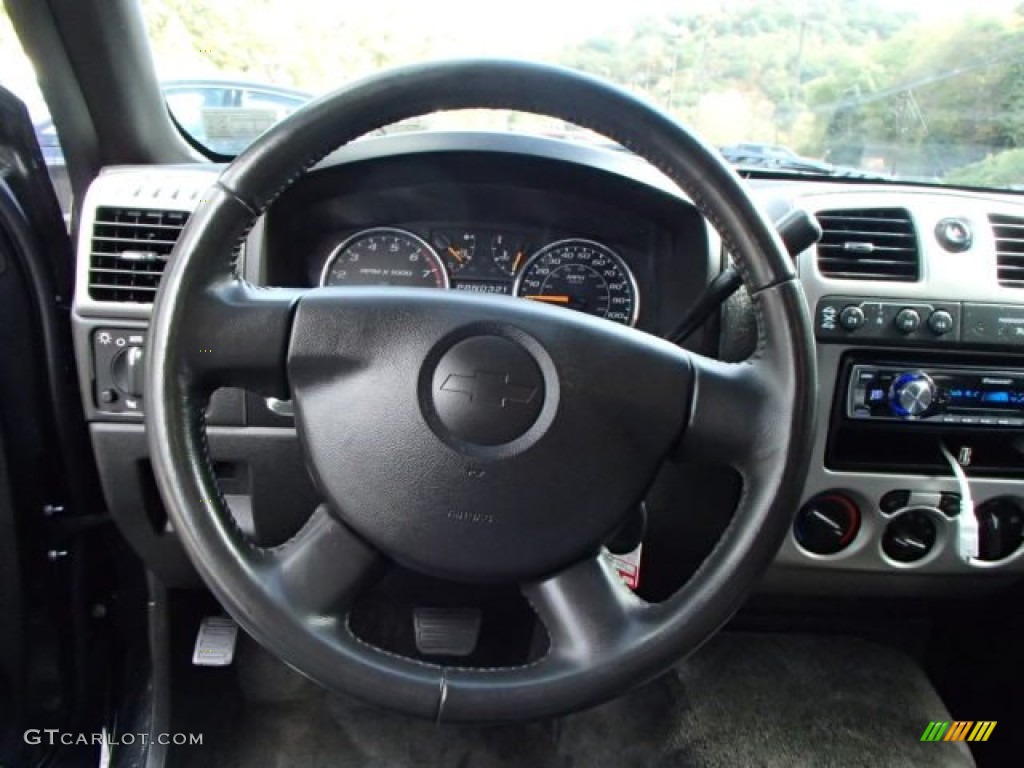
1004,169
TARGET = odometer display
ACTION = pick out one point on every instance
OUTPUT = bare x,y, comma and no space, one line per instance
581,275
385,256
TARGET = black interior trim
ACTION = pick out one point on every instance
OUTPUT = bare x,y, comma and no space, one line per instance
44,255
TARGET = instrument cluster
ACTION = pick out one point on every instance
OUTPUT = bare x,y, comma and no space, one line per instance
575,273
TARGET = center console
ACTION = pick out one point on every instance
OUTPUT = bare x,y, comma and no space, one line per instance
918,469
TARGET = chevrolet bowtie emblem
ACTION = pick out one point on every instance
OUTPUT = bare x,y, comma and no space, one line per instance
489,388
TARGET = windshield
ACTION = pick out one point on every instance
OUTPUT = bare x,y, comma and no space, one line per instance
928,91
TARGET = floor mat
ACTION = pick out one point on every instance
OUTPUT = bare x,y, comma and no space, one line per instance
742,700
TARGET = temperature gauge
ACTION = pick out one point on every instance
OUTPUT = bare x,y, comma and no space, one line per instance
508,253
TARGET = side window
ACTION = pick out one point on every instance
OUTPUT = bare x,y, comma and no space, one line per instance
18,76
256,99
226,116
189,107
223,116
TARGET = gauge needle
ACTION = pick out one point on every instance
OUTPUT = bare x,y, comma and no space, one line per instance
519,258
550,299
455,253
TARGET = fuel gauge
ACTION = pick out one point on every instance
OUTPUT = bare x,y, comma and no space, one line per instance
456,248
508,253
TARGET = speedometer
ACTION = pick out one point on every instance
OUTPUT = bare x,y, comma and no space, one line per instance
385,256
581,275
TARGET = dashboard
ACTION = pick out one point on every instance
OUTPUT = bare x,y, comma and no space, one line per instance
916,293
533,229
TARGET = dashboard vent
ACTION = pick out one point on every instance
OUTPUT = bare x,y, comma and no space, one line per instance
868,244
1009,235
130,247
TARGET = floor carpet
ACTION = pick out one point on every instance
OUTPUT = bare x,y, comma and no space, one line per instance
743,700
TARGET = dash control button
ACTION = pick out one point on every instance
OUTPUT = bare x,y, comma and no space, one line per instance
950,504
851,318
907,320
894,501
940,322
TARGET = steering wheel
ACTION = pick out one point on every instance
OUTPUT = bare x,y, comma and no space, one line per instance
480,439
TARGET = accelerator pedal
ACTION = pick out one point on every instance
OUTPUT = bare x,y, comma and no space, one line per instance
446,631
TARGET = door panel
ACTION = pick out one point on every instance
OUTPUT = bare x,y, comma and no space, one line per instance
49,506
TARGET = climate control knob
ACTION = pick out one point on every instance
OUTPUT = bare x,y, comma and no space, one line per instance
912,394
827,523
1000,527
910,536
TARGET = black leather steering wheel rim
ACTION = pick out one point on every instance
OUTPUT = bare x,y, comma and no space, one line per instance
209,328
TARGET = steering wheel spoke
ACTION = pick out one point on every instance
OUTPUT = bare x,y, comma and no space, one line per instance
238,337
321,569
734,407
729,412
586,610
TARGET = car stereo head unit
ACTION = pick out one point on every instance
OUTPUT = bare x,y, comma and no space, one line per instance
936,395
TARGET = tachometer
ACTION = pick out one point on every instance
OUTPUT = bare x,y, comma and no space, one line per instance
385,256
581,275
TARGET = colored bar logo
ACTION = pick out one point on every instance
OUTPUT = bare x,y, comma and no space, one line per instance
959,730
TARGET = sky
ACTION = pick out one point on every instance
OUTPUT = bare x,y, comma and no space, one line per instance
531,27
545,23
519,28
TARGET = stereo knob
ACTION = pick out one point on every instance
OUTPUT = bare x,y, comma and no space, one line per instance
912,394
